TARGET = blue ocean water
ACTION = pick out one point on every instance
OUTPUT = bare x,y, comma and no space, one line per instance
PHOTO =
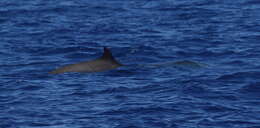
38,36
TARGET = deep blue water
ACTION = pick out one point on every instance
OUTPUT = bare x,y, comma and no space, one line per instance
37,36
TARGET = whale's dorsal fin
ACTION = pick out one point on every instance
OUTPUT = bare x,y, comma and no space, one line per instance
107,54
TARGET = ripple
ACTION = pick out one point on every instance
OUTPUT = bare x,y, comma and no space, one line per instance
238,76
216,54
218,108
64,50
32,88
251,90
131,90
140,110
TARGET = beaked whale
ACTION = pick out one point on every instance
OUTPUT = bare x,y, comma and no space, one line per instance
108,62
103,63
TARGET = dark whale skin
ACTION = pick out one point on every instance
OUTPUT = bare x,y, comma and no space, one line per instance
104,63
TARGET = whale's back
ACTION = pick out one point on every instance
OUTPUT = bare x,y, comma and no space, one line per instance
106,62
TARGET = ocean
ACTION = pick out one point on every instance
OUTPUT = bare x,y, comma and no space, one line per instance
148,36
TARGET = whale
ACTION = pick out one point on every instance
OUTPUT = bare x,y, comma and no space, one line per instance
108,62
103,63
